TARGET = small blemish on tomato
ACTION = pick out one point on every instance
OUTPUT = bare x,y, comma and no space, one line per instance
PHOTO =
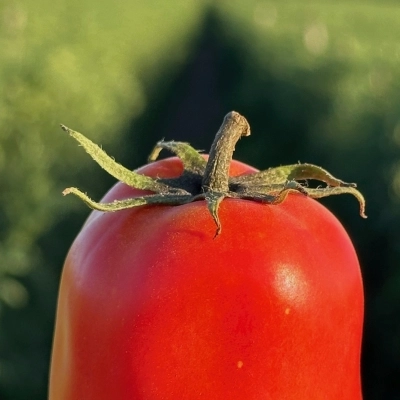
287,311
240,364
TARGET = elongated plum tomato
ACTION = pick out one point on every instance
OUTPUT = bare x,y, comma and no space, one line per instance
154,306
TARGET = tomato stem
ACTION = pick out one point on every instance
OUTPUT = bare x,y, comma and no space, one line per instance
210,180
216,175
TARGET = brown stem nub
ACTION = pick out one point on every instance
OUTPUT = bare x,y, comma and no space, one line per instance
216,175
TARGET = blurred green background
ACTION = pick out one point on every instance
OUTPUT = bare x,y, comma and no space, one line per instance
318,82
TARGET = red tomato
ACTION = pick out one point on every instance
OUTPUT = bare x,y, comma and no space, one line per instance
152,307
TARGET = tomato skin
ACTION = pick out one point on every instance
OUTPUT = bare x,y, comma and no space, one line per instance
152,307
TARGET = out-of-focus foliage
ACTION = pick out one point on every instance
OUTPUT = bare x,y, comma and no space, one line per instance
318,82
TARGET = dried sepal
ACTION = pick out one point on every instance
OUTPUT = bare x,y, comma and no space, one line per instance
117,205
191,159
213,200
118,171
296,172
318,193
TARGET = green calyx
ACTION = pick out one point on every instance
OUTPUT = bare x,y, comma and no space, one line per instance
210,180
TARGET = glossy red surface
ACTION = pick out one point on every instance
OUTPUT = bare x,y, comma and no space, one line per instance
152,307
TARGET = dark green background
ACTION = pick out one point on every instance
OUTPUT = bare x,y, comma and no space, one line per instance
318,82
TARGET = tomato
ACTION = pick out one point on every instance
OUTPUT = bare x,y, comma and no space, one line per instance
153,306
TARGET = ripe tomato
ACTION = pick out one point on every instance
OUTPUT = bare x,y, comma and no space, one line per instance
152,306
